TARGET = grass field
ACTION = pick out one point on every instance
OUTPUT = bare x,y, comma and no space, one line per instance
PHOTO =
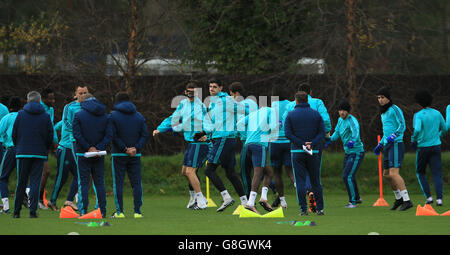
165,213
168,215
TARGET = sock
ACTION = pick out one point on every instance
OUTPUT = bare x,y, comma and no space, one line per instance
5,204
283,201
405,195
244,200
264,193
397,194
252,198
225,195
192,193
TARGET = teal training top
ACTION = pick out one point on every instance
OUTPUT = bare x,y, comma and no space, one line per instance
262,126
315,104
6,127
224,112
51,111
3,110
188,118
429,125
280,108
393,122
250,106
348,130
66,131
447,115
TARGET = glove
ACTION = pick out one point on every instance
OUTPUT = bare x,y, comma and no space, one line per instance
350,144
414,145
378,149
199,135
391,138
327,143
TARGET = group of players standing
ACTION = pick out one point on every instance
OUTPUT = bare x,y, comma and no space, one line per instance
291,134
27,135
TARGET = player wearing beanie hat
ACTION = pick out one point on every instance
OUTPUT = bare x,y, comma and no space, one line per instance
347,129
391,144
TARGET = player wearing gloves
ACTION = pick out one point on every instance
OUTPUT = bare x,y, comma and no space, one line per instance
347,129
393,148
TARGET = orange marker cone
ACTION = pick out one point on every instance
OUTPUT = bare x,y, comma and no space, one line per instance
447,213
69,208
380,201
429,207
96,214
422,211
67,214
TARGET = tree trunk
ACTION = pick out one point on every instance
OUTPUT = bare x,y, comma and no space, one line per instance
351,75
131,55
444,30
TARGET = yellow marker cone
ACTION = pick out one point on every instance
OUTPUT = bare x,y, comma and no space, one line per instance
210,201
238,210
278,213
248,214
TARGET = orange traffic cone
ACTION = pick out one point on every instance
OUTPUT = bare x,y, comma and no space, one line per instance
447,213
69,208
381,202
67,214
422,211
429,207
96,214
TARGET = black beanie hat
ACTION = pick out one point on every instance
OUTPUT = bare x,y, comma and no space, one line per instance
385,91
15,103
344,105
424,98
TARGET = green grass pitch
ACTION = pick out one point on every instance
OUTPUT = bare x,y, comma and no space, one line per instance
166,197
168,215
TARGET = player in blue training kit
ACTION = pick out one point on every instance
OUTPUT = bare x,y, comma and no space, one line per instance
188,119
8,160
3,111
393,148
280,149
92,133
261,126
318,105
304,128
347,129
429,126
65,154
245,163
222,112
32,135
447,116
129,138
